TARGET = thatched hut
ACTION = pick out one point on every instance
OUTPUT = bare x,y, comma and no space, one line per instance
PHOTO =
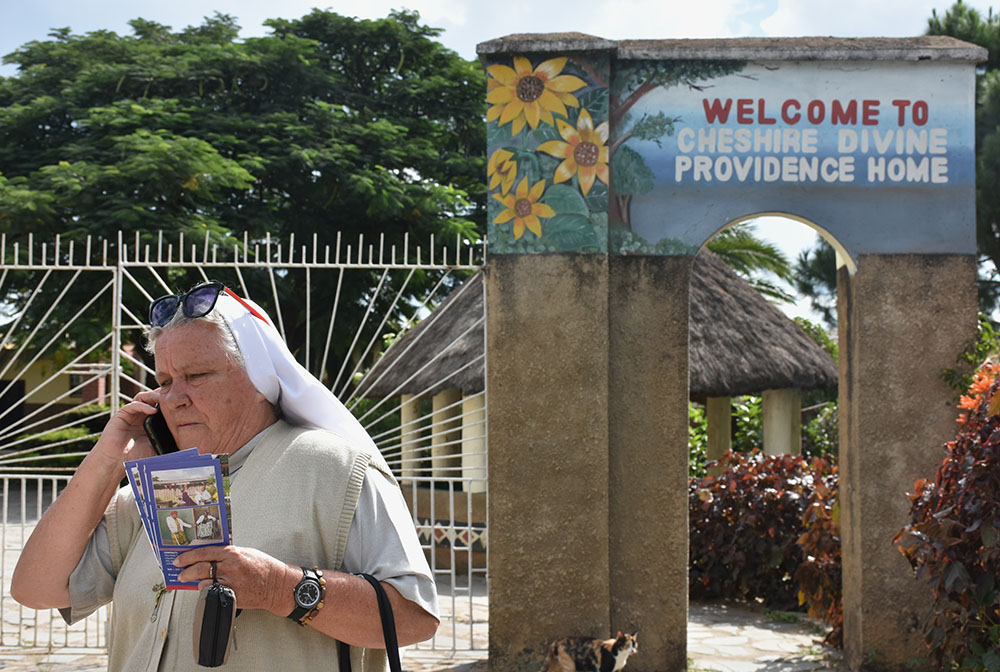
739,344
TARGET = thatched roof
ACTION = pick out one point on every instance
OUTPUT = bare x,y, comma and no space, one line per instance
443,351
739,344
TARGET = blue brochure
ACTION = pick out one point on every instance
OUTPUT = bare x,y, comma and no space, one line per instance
183,500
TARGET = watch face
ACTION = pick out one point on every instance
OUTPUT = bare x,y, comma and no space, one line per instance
307,594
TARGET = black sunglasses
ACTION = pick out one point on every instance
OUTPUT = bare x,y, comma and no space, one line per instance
196,302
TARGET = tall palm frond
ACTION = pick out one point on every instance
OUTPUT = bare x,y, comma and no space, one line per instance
754,260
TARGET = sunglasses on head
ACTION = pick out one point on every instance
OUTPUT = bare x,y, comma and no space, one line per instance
196,302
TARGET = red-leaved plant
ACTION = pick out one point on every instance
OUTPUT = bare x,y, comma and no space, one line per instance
750,523
952,538
819,575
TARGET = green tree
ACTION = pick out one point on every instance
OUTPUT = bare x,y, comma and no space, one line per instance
329,124
966,23
815,275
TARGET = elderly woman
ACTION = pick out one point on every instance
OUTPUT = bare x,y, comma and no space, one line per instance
311,498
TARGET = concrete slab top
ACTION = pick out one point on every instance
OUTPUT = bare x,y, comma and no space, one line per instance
922,48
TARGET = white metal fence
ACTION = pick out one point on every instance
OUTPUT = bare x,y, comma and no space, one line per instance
71,352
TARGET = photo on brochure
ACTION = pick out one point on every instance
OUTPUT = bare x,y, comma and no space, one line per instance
182,500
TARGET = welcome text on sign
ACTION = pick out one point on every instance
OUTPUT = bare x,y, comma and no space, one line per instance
914,155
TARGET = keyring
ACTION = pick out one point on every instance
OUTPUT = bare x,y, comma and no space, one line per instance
214,569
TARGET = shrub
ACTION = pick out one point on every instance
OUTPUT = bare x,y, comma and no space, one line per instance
977,351
745,525
952,538
53,446
820,433
697,441
748,415
819,575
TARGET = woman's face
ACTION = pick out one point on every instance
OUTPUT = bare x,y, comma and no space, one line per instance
207,400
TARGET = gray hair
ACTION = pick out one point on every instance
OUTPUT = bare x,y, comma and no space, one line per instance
226,338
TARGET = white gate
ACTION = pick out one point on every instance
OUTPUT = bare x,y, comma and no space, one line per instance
414,383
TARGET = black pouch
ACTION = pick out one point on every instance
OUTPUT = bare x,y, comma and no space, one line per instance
214,621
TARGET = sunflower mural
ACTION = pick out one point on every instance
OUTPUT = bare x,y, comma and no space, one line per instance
548,167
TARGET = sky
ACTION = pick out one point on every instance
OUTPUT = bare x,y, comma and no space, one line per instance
467,23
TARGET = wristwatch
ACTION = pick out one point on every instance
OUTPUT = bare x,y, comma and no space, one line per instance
308,594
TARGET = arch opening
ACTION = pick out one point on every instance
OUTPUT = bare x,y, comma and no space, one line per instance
844,257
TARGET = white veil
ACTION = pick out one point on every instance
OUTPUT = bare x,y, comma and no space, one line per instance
304,401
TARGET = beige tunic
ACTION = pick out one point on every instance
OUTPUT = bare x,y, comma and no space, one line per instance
294,499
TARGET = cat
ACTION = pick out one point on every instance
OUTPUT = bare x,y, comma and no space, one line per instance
589,654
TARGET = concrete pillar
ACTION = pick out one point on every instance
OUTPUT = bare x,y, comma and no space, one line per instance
782,411
446,435
409,437
474,442
902,320
648,454
547,358
719,421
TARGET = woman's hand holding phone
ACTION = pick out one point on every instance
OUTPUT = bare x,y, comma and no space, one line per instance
123,437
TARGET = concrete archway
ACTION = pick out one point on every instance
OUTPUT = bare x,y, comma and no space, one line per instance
587,305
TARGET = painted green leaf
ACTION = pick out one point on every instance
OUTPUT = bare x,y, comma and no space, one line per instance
570,232
544,133
595,102
566,200
597,199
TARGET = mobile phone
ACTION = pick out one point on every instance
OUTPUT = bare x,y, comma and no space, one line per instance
159,434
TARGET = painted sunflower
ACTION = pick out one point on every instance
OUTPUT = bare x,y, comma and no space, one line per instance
523,94
523,207
584,152
501,170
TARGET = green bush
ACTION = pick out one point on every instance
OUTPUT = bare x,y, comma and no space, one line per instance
952,538
820,433
68,440
748,414
697,441
745,525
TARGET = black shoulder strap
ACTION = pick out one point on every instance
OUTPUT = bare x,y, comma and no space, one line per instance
388,630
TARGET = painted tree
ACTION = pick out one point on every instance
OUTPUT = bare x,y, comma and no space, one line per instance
634,80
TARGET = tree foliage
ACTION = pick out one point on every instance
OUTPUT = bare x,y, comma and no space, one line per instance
966,23
329,124
754,259
816,279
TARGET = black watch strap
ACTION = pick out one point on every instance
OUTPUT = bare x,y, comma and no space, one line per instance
300,611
